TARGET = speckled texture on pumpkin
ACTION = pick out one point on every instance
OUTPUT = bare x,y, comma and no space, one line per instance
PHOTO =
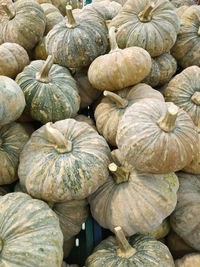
52,176
27,26
108,113
10,94
13,137
161,231
187,47
189,260
30,232
149,148
54,100
180,3
149,252
157,35
185,220
39,51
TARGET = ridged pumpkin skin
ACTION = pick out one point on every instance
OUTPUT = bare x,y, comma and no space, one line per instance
63,161
187,47
55,98
30,233
79,42
149,252
189,260
26,26
162,69
13,137
10,94
184,91
185,220
156,31
111,109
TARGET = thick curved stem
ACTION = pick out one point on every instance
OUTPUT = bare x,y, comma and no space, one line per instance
168,122
71,20
118,100
43,76
112,39
120,174
196,98
145,15
8,11
125,250
1,244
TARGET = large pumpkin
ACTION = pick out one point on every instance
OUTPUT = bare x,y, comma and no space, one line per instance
150,25
185,220
79,41
50,91
10,94
63,161
138,251
189,260
30,234
24,23
157,137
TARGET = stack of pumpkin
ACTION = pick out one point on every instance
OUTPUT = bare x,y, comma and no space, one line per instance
136,163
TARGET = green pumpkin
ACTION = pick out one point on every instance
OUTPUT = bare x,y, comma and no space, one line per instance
39,51
138,251
30,234
50,91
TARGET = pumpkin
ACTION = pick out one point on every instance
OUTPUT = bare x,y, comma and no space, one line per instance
30,233
161,231
13,59
121,2
185,220
2,11
87,92
157,137
10,94
53,16
180,10
162,69
79,41
152,26
50,91
67,247
39,51
184,91
187,47
69,265
113,105
24,23
73,155
126,191
189,260
116,70
83,118
139,250
180,3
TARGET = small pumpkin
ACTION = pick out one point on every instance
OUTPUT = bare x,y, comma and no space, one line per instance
161,231
189,260
39,51
157,137
139,250
24,23
10,94
79,41
110,110
50,91
116,70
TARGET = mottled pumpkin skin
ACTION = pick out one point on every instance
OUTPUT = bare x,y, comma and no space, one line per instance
108,113
27,26
181,89
86,119
180,10
157,36
185,220
39,51
56,177
13,59
55,100
78,46
161,231
163,68
179,3
150,252
189,260
10,94
150,149
29,225
187,47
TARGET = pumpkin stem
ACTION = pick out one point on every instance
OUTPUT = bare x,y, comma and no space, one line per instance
121,175
1,244
57,138
168,122
196,98
43,75
145,15
118,100
8,11
198,30
125,250
71,20
112,39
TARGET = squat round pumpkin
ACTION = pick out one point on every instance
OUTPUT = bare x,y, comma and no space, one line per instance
189,260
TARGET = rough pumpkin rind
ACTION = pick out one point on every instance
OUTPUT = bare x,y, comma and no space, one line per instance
189,260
